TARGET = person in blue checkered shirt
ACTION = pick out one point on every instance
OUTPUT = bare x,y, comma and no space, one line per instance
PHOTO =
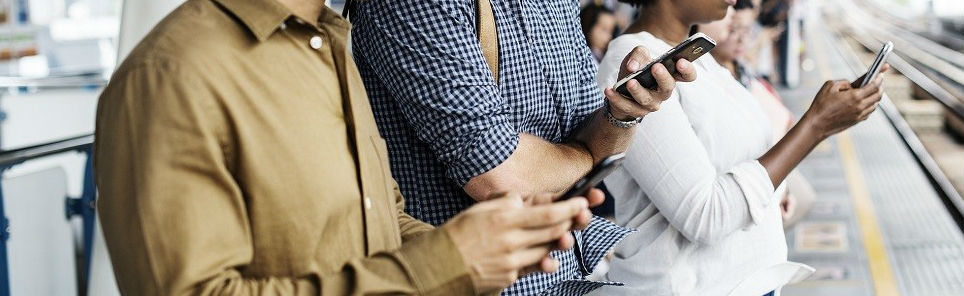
456,136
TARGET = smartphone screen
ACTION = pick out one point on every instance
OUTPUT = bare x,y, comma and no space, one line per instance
878,62
594,177
690,49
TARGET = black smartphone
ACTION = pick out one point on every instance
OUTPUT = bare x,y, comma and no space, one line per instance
875,67
690,49
596,175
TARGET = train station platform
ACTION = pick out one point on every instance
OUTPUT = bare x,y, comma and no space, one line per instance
880,223
877,226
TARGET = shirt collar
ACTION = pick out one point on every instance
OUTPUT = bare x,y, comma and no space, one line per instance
261,17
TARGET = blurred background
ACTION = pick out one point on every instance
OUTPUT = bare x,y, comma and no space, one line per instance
886,219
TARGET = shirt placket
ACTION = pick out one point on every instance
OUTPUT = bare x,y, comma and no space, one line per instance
373,201
321,41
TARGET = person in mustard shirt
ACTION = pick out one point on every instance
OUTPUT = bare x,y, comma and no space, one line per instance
236,153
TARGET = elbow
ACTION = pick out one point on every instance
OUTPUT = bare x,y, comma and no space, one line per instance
709,220
702,227
709,237
483,187
504,178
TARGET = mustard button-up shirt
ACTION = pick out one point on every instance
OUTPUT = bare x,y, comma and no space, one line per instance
236,153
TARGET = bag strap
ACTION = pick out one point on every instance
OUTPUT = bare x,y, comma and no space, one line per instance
488,37
346,9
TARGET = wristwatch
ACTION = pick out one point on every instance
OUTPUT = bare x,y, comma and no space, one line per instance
619,123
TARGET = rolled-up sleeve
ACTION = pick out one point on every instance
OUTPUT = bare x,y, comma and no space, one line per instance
673,167
428,57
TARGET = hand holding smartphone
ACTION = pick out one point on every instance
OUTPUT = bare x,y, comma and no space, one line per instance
690,49
594,177
586,183
875,67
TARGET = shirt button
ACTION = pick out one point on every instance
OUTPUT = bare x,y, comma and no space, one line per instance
368,203
315,42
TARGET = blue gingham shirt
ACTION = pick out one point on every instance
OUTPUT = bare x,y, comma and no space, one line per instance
447,121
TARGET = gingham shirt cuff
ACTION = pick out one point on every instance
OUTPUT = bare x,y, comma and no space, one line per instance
598,239
489,149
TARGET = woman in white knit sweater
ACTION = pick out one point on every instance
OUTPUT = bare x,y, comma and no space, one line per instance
700,177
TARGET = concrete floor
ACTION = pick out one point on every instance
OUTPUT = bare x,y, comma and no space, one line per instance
877,227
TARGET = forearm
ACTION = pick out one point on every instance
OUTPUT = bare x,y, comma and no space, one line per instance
715,207
790,150
535,166
836,107
601,138
427,265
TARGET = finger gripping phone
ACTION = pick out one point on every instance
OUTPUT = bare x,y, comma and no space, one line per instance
875,67
690,49
594,177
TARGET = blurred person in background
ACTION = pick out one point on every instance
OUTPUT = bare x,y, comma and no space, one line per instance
769,47
699,180
732,35
599,27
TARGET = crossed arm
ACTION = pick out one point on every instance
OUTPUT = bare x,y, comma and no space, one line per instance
433,65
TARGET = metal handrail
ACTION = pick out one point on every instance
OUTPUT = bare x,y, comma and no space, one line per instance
15,156
941,95
53,81
942,185
913,25
82,206
909,70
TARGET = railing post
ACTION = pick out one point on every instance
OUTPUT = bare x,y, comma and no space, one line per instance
84,206
88,212
4,236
